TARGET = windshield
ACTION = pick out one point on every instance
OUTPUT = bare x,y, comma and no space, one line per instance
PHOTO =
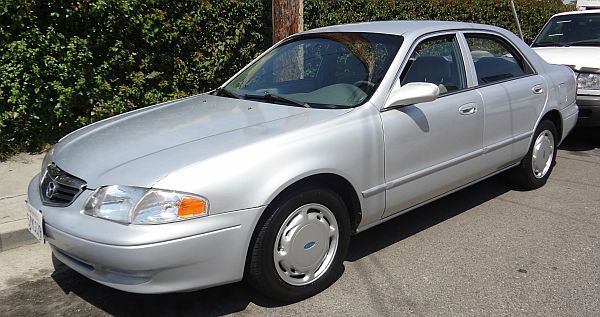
571,30
325,70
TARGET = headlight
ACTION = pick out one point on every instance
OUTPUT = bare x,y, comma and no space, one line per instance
588,81
137,205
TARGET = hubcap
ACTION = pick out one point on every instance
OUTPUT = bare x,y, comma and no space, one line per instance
306,244
543,152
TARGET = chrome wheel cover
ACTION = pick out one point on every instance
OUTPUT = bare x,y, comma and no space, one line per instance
306,244
542,154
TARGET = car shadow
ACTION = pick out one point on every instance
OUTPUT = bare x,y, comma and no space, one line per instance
582,139
236,297
422,218
216,301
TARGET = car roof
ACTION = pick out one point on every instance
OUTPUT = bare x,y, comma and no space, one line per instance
577,12
402,27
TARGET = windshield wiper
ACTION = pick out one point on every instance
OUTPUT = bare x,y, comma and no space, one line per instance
274,97
586,42
550,43
221,91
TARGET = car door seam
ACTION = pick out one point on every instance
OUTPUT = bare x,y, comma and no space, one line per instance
438,167
424,172
506,142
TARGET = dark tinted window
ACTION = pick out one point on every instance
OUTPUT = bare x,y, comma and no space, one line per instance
438,61
494,59
571,30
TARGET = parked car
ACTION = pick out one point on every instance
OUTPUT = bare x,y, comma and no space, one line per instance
573,39
326,134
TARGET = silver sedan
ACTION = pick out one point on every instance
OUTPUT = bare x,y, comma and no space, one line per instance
326,134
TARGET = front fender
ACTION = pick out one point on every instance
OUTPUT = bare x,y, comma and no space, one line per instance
350,145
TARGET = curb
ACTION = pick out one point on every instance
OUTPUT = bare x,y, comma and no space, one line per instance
14,234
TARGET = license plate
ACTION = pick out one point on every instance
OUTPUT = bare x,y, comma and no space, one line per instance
35,222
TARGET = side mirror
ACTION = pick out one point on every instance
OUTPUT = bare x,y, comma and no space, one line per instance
412,93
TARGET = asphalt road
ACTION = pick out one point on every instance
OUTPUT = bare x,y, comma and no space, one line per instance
487,250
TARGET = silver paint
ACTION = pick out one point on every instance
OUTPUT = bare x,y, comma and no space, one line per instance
241,154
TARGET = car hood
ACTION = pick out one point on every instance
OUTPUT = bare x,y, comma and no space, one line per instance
582,59
169,135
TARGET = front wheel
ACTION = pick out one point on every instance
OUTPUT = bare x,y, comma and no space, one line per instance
298,250
535,168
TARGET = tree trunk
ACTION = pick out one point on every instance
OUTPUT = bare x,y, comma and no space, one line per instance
287,18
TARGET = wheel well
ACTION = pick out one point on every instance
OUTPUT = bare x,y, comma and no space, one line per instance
554,116
334,182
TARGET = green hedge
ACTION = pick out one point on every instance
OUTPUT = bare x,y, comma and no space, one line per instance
532,13
65,64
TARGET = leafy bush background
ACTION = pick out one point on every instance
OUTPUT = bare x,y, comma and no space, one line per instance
65,64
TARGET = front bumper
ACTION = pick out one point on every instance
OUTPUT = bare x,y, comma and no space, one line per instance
181,256
589,111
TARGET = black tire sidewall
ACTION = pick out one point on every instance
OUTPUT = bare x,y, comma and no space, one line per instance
262,273
527,178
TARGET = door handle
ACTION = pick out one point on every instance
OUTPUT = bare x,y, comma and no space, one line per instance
537,89
467,109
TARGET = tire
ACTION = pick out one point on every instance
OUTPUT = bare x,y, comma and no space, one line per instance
295,253
537,165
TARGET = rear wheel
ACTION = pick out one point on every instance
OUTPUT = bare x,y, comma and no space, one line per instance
299,248
535,168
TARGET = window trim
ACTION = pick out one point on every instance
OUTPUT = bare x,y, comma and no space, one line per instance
468,61
413,46
513,50
461,57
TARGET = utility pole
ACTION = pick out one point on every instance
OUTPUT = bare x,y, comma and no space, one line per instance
287,18
514,11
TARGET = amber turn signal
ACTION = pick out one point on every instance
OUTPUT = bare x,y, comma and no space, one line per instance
191,207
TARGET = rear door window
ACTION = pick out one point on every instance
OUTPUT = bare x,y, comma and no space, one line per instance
495,60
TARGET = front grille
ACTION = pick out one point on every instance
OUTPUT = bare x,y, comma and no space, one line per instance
59,188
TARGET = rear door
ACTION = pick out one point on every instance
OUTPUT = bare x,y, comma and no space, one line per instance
513,96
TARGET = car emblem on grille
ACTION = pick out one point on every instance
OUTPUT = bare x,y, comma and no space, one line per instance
59,188
50,190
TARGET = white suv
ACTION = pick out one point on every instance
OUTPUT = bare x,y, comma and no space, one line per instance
573,39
